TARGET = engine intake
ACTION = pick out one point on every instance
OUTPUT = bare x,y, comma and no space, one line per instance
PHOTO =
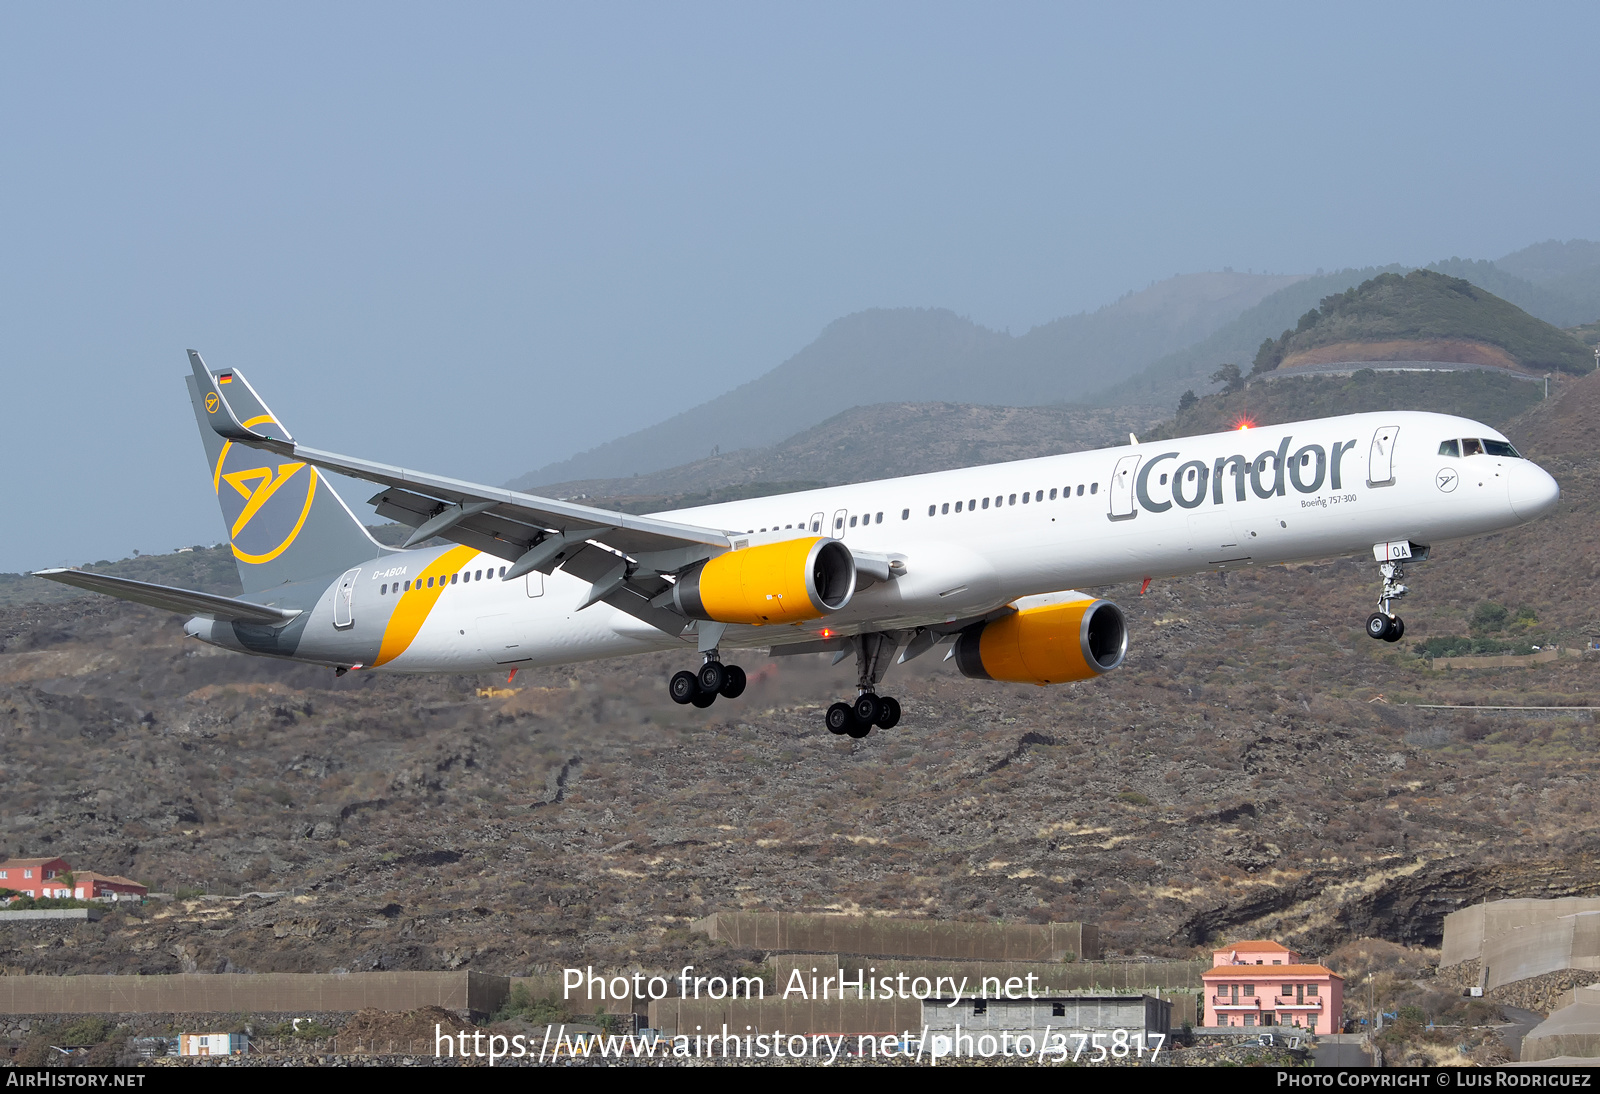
1052,644
785,582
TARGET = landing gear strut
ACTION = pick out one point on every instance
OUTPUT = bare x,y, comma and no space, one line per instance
873,655
714,679
1383,623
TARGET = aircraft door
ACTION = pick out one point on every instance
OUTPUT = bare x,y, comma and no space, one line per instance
816,523
837,532
1122,489
344,599
1380,460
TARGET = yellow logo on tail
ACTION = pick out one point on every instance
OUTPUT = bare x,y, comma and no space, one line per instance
212,402
264,517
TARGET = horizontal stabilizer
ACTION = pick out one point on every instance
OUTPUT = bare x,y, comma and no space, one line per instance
184,601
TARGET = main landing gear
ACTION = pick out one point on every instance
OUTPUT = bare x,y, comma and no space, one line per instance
857,719
873,655
1383,623
714,679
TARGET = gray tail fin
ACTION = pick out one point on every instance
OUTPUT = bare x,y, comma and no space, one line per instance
283,518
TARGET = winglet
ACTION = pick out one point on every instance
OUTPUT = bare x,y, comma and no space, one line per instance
220,416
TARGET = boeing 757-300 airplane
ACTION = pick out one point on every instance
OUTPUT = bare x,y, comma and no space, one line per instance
984,558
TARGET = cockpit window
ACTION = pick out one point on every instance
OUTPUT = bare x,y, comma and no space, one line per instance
1449,448
1471,446
1500,448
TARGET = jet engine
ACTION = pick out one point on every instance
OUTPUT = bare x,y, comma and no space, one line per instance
785,582
1050,644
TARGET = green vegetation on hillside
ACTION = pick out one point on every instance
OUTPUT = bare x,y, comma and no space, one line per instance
1426,305
1489,397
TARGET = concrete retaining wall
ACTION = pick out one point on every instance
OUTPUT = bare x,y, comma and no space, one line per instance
252,993
51,913
1466,931
845,934
1570,942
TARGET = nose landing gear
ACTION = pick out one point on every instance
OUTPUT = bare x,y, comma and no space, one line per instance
702,688
1383,623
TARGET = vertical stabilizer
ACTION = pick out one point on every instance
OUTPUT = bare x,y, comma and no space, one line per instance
282,517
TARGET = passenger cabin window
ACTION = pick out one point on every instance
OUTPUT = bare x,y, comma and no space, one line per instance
1013,499
945,508
1094,488
1052,493
852,522
878,519
1038,495
932,509
1025,498
1080,490
905,514
958,507
971,505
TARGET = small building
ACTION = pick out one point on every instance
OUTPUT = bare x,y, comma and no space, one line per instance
87,885
1066,1014
36,877
1260,983
212,1044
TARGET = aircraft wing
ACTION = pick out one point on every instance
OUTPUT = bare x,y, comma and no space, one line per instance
183,601
621,554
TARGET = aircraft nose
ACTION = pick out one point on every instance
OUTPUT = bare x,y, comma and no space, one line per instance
1533,491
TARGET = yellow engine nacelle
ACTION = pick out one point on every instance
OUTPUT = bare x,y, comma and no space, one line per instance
774,583
1052,644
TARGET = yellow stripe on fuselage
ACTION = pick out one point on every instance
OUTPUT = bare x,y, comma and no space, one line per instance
417,602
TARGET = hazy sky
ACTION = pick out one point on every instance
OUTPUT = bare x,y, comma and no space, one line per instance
478,238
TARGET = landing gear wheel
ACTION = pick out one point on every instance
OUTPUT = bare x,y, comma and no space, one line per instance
683,687
704,699
867,709
1397,630
888,712
733,685
1378,625
858,729
712,676
840,718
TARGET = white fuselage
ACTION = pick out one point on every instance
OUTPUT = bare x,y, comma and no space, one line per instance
975,539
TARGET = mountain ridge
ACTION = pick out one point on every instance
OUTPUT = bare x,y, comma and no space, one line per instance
884,355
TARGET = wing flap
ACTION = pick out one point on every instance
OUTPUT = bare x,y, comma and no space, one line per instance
183,601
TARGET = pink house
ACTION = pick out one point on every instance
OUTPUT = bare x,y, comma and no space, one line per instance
1260,983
